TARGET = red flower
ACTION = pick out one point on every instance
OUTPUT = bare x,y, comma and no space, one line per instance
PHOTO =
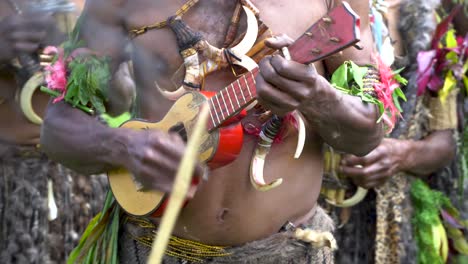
56,77
384,91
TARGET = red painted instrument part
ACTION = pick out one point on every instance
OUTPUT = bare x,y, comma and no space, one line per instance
231,136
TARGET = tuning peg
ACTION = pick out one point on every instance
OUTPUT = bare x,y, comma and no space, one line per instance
327,20
335,39
316,51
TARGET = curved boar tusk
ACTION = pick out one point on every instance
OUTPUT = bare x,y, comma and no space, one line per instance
192,75
26,97
301,133
357,198
247,63
256,171
171,95
215,57
250,36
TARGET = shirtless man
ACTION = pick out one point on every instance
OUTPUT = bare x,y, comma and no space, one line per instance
26,234
226,210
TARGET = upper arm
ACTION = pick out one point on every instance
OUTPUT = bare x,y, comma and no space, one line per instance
103,29
360,57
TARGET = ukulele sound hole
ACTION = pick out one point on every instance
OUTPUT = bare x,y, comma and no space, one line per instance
179,128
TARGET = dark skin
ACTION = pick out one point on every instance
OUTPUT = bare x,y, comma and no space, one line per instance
21,34
225,210
418,157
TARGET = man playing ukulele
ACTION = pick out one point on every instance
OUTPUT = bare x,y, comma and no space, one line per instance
226,210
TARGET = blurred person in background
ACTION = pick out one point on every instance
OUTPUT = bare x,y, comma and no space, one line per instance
44,207
428,143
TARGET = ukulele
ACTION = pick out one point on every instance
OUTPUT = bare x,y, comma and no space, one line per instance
220,145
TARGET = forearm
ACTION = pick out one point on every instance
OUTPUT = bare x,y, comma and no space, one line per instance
429,154
346,123
80,141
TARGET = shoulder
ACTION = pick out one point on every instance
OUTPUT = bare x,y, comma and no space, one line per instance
361,7
105,11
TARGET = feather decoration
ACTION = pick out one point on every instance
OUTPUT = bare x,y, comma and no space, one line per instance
386,91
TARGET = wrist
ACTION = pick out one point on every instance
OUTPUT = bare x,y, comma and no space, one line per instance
323,106
116,146
405,152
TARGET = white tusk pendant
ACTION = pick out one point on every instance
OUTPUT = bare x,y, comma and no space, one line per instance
171,95
355,199
301,133
256,171
267,135
250,36
26,97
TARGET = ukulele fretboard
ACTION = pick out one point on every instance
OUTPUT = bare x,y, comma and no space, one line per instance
232,99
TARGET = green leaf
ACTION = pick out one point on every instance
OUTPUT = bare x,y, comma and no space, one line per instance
82,96
465,82
450,39
88,231
395,98
88,82
340,76
72,91
400,94
452,56
400,79
358,74
98,104
398,71
449,83
115,235
381,108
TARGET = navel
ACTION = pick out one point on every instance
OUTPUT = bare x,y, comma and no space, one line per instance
222,215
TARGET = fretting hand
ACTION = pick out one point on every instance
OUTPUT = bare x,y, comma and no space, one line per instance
284,86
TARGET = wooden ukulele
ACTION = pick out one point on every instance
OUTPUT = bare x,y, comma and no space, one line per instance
334,32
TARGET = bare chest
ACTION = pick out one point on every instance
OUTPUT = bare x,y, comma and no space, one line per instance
211,19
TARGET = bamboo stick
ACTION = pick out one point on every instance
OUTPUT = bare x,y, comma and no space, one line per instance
181,186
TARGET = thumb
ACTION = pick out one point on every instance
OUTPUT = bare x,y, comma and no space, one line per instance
278,42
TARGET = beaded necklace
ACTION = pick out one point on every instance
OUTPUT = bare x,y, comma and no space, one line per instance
158,25
192,45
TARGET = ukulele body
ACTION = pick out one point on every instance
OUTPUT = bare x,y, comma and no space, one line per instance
219,147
